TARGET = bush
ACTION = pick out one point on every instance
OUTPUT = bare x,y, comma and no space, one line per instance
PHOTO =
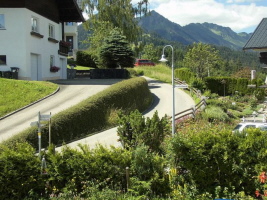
259,93
184,74
226,85
222,158
214,113
85,59
93,114
198,84
134,130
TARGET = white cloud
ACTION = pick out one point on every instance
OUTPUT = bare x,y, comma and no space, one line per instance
239,17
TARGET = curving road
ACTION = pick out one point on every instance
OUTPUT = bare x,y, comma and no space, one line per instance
162,103
74,91
71,92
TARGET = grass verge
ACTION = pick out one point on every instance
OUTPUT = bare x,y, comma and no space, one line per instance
15,94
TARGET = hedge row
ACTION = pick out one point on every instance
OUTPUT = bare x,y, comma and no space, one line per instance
184,74
226,85
91,115
85,59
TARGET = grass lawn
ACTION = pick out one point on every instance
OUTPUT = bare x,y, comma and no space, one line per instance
15,94
160,72
78,67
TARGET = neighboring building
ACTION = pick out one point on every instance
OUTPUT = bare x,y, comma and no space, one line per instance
258,41
34,36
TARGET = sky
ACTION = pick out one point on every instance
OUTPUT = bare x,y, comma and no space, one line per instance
239,15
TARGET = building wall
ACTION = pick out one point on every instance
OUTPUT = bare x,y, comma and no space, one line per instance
20,47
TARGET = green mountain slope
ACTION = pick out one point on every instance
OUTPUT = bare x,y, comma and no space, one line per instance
195,32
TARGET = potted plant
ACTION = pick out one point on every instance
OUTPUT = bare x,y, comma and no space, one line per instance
54,69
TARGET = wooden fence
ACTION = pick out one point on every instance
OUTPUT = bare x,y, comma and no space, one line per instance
191,112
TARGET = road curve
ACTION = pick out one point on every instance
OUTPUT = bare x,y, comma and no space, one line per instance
71,92
162,104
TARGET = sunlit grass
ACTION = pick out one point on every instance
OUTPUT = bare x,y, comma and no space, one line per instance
15,94
160,72
78,67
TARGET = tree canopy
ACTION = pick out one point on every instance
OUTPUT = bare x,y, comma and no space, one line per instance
119,13
116,52
201,58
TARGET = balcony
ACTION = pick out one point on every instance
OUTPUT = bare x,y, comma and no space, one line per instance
63,48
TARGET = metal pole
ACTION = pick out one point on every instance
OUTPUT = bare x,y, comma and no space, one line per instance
173,97
50,130
173,89
127,178
39,133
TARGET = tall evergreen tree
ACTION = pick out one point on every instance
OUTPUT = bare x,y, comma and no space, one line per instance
115,52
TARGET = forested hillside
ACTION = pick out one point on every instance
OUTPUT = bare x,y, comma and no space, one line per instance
159,31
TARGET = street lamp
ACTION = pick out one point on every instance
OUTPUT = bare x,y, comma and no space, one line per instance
163,59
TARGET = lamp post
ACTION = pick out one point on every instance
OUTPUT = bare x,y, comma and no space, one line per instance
163,59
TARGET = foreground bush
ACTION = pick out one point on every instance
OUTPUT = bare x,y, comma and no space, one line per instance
210,157
94,114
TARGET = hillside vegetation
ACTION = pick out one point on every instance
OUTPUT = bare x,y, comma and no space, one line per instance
15,94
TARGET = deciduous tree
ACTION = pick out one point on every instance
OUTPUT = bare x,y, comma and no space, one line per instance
201,58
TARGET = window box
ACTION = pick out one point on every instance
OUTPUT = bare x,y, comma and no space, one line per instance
53,40
37,34
54,69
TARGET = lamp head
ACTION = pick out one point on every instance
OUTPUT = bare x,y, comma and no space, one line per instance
163,59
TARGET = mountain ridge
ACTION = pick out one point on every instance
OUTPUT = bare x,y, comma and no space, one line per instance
194,32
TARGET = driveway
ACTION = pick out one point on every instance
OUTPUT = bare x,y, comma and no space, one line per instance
162,93
74,91
71,92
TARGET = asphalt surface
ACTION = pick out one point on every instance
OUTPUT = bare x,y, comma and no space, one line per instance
70,93
162,93
74,91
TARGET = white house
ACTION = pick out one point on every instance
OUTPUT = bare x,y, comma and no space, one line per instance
34,36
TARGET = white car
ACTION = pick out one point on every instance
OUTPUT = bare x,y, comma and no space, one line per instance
244,125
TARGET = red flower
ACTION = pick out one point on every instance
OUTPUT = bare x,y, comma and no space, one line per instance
257,193
263,177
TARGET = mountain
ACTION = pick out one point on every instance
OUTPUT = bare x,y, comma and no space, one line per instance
195,32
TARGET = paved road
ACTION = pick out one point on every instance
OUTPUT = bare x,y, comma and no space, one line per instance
162,103
71,92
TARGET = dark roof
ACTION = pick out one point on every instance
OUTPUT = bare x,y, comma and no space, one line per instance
258,40
69,11
56,10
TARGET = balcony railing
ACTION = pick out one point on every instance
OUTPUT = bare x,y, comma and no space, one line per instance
63,48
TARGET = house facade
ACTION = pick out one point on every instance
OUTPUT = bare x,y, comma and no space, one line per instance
258,41
37,36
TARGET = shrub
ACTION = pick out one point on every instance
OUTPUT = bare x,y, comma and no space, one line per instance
222,158
198,84
214,113
85,59
20,172
92,114
184,74
134,130
259,93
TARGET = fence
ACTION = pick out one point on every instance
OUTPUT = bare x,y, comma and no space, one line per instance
191,112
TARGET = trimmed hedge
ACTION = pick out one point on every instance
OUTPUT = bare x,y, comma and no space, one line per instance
184,74
85,59
215,85
92,114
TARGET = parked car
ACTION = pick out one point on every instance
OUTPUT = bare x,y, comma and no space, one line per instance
245,125
143,62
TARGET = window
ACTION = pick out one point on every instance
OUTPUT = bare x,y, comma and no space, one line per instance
51,31
69,23
2,59
52,61
34,22
2,21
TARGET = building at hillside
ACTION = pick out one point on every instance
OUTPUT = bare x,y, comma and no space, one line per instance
37,37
